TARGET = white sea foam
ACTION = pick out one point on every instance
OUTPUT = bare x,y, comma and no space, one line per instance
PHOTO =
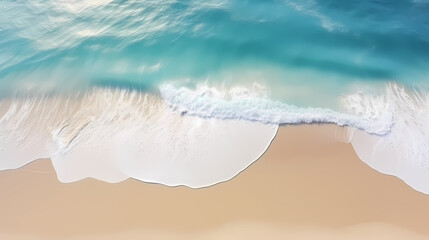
112,135
201,136
371,115
404,152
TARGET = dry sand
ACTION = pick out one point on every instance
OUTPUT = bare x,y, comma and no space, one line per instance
306,186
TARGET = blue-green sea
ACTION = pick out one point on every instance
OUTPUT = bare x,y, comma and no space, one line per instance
322,48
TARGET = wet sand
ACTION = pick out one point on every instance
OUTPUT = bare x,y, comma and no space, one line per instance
308,185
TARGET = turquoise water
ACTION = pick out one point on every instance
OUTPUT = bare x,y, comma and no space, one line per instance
305,52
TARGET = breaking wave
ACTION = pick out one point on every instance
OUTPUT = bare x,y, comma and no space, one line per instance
370,114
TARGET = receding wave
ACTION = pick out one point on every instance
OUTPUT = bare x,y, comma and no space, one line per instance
404,152
201,136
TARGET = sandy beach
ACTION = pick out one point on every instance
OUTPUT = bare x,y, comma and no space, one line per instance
308,185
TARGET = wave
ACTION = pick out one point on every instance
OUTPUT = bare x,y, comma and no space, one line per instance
112,135
201,136
368,113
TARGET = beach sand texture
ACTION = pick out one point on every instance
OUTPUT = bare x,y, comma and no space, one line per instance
308,185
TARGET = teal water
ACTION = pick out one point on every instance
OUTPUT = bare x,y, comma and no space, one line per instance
305,52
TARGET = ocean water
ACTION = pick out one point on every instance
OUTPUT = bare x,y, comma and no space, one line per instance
192,92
